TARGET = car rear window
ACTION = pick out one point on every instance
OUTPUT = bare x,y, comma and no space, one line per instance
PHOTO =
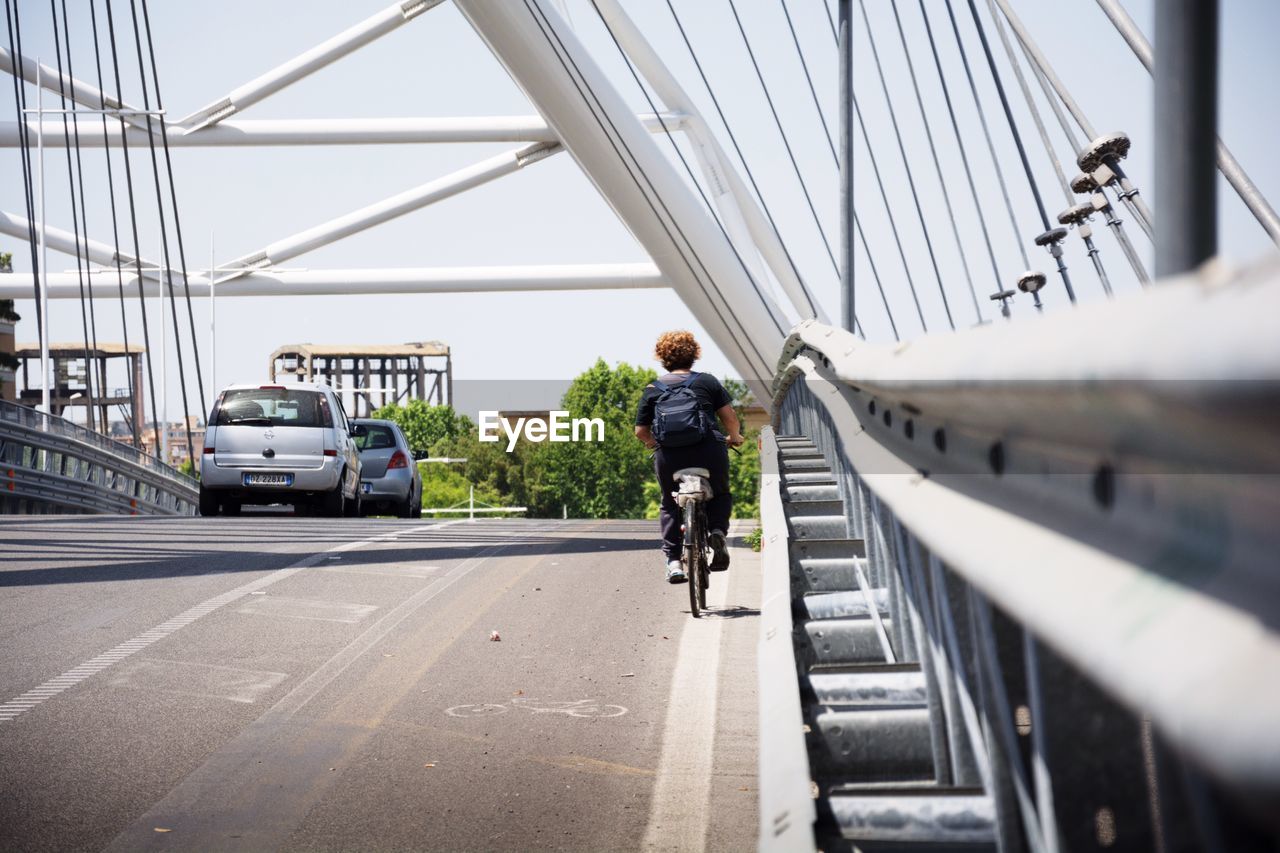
277,407
376,438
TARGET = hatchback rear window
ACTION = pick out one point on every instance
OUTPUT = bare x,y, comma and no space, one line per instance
277,407
376,437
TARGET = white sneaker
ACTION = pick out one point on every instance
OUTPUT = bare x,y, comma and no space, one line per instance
675,572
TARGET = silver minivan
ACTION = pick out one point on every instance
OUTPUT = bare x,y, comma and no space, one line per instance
289,444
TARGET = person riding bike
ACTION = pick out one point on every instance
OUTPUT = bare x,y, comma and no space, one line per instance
677,420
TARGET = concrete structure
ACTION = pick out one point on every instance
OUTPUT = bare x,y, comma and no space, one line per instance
70,374
412,371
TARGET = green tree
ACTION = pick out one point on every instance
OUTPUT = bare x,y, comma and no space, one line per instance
744,466
425,425
445,485
604,479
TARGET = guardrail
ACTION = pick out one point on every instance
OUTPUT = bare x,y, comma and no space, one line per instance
51,465
1033,584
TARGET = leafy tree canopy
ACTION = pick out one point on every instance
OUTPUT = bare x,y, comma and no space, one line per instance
425,425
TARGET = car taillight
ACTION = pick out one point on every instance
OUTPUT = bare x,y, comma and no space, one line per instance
331,453
398,460
209,450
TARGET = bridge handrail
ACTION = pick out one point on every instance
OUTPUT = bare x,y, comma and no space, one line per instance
786,806
166,489
1124,517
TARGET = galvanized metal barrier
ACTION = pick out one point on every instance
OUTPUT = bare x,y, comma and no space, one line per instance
51,465
1031,590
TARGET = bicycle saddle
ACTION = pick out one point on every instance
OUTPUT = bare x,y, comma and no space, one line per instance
692,472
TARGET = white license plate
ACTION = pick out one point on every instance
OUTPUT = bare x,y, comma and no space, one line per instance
268,479
366,488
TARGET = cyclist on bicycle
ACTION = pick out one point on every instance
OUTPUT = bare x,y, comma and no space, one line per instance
677,420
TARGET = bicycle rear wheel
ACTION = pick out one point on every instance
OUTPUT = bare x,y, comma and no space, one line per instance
704,575
692,558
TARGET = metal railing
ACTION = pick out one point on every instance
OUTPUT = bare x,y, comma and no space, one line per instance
51,465
1031,588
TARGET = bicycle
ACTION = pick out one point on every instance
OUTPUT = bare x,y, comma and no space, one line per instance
693,492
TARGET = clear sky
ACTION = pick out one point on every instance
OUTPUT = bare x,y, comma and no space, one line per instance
244,198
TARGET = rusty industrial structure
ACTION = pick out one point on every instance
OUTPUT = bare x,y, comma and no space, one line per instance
368,377
70,374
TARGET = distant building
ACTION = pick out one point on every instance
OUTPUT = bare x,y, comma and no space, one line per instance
175,436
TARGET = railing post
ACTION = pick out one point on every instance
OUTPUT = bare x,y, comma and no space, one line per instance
1186,113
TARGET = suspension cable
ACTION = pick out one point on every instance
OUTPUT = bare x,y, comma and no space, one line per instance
687,252
84,220
795,39
1033,107
835,265
902,150
888,209
1052,241
77,209
937,164
115,229
20,105
964,157
875,274
653,107
133,226
986,132
884,197
166,276
733,139
173,200
1008,114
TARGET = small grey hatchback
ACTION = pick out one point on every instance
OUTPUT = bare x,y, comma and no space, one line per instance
389,478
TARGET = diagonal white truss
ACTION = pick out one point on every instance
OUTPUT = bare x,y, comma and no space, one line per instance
717,270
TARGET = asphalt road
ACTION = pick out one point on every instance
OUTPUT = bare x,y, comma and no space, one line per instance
278,683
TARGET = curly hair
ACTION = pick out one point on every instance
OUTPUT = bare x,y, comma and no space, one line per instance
677,350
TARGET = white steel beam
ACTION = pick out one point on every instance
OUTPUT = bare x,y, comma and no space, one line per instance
39,74
345,42
365,282
594,122
737,207
395,206
349,131
65,241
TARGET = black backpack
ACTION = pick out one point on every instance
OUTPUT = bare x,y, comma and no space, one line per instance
678,418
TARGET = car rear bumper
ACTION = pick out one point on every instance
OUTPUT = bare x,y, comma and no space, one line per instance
305,481
395,485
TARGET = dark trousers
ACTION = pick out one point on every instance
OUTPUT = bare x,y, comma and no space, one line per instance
711,454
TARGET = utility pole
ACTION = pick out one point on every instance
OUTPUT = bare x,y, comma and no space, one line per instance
848,307
44,249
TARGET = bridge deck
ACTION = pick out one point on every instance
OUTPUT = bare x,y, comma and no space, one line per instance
286,683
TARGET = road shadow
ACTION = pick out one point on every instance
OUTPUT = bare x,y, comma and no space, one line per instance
211,555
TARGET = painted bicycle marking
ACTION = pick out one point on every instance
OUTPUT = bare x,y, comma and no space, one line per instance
581,708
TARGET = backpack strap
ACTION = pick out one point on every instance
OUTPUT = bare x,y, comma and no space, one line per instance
660,386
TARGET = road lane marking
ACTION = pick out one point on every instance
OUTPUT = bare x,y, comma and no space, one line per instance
189,678
306,608
678,816
231,777
21,704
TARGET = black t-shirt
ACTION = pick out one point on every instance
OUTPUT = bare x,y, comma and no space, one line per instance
706,388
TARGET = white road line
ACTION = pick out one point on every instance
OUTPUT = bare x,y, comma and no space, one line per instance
678,816
72,677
